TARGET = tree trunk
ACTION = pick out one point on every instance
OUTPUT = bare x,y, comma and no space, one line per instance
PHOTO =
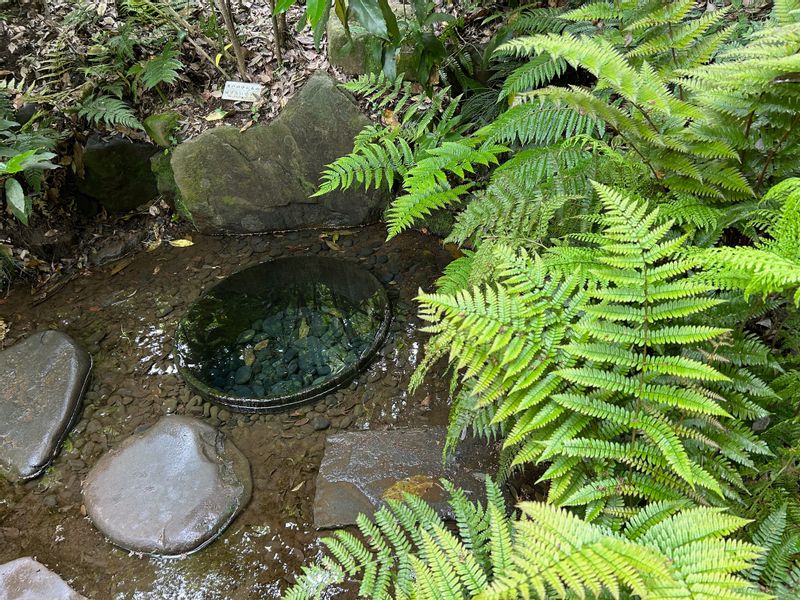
224,8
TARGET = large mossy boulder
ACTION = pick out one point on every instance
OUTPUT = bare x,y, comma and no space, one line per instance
117,173
263,179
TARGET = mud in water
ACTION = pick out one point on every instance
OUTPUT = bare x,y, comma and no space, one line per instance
126,318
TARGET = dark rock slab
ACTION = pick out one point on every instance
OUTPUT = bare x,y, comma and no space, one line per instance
362,469
43,378
169,490
262,179
117,173
26,579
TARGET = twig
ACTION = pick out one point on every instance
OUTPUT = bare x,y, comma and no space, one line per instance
224,8
178,22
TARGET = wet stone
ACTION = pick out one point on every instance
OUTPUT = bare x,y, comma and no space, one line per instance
360,470
169,490
27,579
320,423
43,378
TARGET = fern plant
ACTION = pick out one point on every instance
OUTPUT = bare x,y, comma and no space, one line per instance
720,133
109,111
611,383
772,265
669,551
778,568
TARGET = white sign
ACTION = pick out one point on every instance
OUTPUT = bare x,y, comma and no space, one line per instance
239,90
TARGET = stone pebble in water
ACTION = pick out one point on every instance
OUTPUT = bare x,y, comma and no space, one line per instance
243,374
294,347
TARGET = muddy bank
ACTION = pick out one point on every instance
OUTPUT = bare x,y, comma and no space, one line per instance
126,318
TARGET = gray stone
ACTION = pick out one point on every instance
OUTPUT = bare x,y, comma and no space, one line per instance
262,179
169,490
117,173
27,579
43,378
362,469
320,423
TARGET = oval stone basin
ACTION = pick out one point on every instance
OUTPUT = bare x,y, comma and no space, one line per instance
282,333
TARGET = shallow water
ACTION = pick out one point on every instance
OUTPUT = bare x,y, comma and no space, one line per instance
127,322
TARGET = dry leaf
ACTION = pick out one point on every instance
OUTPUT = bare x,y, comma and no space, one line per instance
121,265
181,243
217,115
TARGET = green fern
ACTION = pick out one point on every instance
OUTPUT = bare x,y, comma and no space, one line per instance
773,265
409,552
604,382
163,68
108,111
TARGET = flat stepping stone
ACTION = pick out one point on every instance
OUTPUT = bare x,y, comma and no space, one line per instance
362,469
169,490
43,378
27,579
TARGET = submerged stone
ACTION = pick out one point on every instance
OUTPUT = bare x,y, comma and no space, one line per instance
169,490
27,579
362,469
43,378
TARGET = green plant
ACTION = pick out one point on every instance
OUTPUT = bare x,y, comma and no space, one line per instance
611,383
110,111
772,265
25,151
668,551
416,123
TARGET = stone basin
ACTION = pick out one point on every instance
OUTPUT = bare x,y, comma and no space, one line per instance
282,333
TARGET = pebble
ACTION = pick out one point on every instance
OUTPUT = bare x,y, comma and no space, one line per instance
320,423
170,405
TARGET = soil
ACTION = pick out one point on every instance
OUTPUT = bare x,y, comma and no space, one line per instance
125,314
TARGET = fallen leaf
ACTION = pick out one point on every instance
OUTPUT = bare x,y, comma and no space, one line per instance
121,265
217,115
298,486
181,243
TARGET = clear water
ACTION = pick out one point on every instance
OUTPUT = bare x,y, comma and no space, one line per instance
261,335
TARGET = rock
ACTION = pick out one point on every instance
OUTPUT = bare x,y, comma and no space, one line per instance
243,374
26,112
362,469
161,126
43,378
320,423
161,167
361,52
115,247
27,579
169,490
262,179
117,173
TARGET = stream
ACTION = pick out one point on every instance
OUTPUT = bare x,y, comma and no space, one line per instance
125,314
